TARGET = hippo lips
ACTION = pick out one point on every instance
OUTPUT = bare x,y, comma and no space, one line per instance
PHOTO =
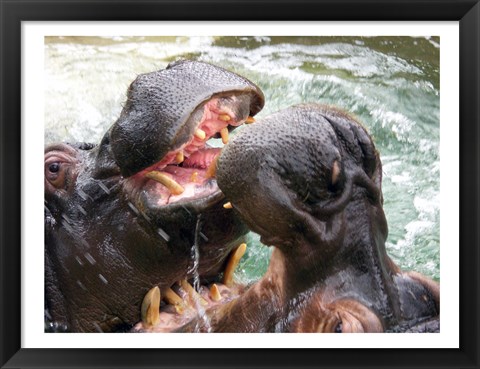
186,173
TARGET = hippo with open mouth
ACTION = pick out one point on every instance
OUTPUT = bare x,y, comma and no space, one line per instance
308,180
142,208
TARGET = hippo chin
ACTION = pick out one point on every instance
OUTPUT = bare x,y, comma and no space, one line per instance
308,180
141,209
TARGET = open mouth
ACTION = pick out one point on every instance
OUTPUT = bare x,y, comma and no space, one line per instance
187,171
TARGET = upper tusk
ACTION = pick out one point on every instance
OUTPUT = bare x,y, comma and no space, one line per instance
200,134
224,135
224,117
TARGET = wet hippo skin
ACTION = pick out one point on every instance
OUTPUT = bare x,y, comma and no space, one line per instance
122,216
308,180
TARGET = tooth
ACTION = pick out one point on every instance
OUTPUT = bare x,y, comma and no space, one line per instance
194,295
215,293
194,177
200,134
228,205
224,117
174,187
224,134
212,169
235,258
250,120
335,172
179,157
151,307
172,298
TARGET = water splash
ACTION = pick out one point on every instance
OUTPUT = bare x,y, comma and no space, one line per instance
204,321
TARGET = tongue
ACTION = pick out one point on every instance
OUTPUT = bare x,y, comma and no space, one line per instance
201,159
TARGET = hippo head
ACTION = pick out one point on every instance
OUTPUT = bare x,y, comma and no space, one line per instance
307,179
292,175
142,208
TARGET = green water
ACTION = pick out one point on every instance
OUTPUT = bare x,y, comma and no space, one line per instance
390,83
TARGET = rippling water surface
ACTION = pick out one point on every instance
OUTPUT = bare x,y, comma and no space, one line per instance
390,83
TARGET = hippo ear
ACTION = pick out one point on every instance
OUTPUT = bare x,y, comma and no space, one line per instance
356,143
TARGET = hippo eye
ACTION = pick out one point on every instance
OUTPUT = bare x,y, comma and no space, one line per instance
54,167
55,172
338,328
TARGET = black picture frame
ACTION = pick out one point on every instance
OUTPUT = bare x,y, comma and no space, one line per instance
467,12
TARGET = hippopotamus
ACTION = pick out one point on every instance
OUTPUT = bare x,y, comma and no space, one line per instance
308,180
141,209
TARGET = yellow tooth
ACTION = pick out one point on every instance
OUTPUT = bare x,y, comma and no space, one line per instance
194,295
172,298
224,134
151,307
215,293
228,205
235,258
194,177
212,169
174,187
250,120
224,117
200,134
179,157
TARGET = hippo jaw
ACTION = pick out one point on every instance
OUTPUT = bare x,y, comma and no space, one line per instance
160,140
185,176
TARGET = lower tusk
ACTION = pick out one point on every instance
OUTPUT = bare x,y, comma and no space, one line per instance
250,120
194,295
194,177
224,135
232,264
174,187
228,205
172,298
200,134
224,117
150,311
215,293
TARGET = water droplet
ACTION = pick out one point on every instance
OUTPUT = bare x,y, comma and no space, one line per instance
67,227
147,218
103,279
135,210
90,258
97,327
163,234
82,194
184,208
104,188
80,284
66,218
82,210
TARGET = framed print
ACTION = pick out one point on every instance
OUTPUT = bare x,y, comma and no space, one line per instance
337,192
